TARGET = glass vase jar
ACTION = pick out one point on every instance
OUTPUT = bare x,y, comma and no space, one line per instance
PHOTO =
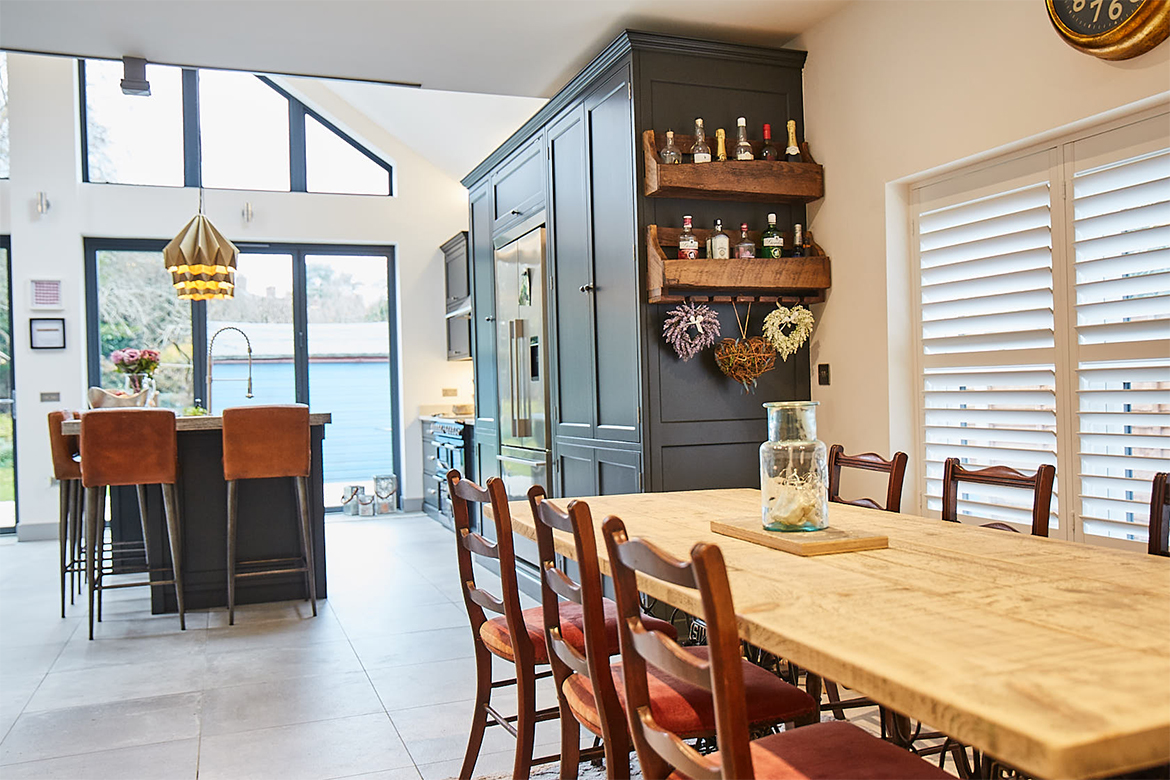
794,469
136,383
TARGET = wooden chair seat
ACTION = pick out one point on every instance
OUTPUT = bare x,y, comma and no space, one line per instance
494,632
830,751
687,709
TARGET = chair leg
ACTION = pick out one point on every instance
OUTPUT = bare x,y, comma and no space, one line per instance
307,538
65,493
232,509
483,695
525,718
146,551
174,535
76,526
834,695
91,514
100,548
571,742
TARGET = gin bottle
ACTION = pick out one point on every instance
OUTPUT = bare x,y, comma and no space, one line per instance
743,150
670,155
772,240
700,152
746,248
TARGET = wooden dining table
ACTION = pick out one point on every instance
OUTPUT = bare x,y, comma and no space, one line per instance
1049,655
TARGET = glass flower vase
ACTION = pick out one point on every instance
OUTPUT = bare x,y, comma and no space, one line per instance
136,383
794,469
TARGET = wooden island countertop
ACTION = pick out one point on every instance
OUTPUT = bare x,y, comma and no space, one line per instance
205,422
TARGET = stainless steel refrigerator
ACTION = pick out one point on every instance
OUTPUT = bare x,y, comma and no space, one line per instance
522,365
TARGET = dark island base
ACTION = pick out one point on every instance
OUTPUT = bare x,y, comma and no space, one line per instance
268,528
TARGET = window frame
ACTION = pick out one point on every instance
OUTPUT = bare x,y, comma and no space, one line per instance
1066,349
6,245
193,152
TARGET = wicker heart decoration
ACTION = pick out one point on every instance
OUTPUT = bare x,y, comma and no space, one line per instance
799,324
745,360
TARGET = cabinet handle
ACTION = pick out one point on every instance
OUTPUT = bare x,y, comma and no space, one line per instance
586,288
489,318
516,212
431,457
432,491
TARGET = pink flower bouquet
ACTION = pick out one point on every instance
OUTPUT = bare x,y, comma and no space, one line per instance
135,361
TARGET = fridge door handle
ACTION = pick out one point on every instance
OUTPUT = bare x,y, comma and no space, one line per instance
521,461
512,394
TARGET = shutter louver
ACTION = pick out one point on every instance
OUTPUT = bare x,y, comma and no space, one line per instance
1122,266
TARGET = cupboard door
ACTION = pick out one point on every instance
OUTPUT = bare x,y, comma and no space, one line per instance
610,123
458,286
572,322
618,471
575,471
483,310
519,185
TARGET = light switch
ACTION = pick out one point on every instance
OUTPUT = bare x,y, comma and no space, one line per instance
822,373
50,398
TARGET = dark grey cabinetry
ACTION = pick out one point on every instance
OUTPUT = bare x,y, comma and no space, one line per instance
458,286
626,414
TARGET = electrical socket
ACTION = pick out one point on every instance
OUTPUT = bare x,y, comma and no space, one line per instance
450,392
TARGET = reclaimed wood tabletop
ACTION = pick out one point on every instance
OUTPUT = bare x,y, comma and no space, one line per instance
1050,655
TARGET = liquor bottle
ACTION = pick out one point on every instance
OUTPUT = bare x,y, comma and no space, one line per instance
746,248
743,150
700,151
793,151
798,241
688,244
670,154
772,240
808,243
720,145
769,152
720,243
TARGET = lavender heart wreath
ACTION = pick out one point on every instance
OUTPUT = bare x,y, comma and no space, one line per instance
690,328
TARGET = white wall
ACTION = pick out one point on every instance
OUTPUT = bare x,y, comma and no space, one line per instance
894,88
429,208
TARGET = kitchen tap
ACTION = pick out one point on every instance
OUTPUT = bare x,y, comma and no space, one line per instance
211,346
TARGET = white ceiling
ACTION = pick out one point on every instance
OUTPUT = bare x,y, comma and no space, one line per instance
509,47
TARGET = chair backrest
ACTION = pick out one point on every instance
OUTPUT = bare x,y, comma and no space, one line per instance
563,657
464,492
1039,483
63,448
1160,515
266,441
868,461
660,751
128,447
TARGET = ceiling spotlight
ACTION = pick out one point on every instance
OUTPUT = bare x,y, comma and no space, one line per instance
134,77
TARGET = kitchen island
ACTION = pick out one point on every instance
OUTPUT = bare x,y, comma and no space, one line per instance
268,526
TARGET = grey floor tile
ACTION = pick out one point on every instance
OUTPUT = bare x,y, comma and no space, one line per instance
275,633
285,702
253,614
81,653
399,649
144,679
487,765
29,660
404,773
405,687
176,760
373,619
267,664
439,733
15,691
322,749
80,730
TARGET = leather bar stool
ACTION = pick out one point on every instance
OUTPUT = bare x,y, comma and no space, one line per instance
67,471
129,447
264,442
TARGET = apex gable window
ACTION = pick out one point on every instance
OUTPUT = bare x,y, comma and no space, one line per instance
1044,326
216,129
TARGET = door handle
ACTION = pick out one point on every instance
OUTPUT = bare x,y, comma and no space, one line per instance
489,318
585,288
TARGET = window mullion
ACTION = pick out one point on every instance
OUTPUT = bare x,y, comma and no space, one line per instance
192,151
298,166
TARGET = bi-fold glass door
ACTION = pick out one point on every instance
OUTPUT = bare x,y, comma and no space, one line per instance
319,321
7,427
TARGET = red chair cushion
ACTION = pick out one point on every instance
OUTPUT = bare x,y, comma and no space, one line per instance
688,710
829,751
494,632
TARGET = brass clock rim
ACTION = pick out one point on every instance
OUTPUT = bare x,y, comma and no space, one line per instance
1141,32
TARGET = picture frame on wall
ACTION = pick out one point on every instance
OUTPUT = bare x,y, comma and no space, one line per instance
46,332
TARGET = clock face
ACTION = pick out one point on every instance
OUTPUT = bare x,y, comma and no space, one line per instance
1095,17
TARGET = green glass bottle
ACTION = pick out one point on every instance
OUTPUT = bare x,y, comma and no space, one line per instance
772,241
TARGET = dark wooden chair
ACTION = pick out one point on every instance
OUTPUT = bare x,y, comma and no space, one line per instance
824,750
869,461
1039,483
1160,515
589,687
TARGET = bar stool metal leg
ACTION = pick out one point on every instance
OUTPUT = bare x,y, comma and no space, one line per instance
307,538
100,548
91,540
232,516
141,491
65,492
171,510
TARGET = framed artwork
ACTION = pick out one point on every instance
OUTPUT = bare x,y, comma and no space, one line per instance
47,333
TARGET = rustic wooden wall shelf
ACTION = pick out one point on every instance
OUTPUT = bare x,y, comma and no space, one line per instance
758,180
787,280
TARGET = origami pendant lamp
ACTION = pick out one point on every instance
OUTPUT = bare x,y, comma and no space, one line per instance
201,261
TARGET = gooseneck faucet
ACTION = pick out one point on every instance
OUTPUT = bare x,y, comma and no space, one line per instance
211,346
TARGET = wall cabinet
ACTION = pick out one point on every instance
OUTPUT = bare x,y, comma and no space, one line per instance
458,285
626,414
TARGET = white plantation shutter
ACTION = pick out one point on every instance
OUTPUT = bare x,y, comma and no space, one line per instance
988,338
1121,246
1044,295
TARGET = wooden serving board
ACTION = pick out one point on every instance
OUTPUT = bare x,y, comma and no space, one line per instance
804,543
